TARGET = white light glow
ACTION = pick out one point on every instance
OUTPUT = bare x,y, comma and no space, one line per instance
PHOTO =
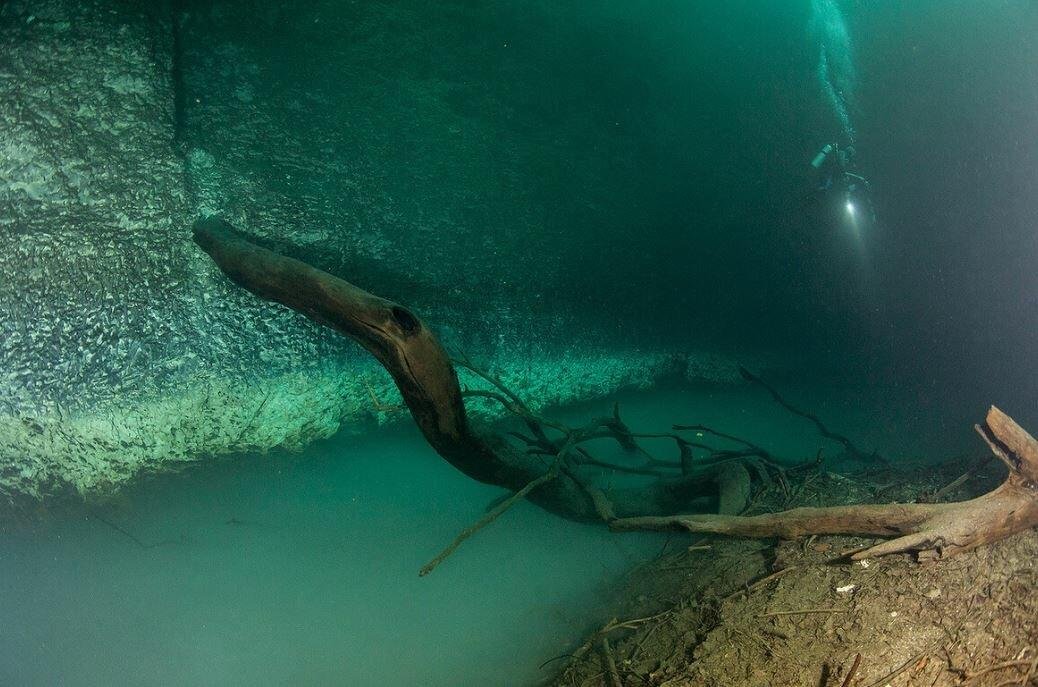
850,208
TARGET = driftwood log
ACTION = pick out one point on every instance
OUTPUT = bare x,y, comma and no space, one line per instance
428,383
551,471
933,530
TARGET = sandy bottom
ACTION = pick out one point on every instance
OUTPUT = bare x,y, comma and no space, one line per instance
718,612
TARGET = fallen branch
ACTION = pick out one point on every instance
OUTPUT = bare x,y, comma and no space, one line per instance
428,384
852,450
850,673
933,530
486,520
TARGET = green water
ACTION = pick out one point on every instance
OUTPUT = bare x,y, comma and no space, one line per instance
202,488
302,569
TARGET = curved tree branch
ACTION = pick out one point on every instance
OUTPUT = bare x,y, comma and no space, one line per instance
852,450
428,383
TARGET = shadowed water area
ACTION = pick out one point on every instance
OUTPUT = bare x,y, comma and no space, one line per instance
805,230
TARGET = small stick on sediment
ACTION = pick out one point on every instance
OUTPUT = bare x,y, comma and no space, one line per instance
761,582
614,676
852,671
486,520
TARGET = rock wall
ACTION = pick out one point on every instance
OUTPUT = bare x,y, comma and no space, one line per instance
122,347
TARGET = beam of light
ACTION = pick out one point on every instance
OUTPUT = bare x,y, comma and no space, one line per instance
853,221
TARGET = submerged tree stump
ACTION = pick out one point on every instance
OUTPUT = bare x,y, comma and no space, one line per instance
933,530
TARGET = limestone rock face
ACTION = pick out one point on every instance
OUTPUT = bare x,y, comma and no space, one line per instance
120,346
91,204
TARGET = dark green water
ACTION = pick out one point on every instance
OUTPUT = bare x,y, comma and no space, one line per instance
560,189
641,171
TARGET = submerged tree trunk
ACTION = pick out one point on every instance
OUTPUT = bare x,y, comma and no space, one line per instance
547,471
428,382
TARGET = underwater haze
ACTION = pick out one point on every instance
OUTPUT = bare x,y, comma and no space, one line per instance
584,201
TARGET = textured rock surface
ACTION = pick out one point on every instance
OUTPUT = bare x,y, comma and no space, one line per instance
91,206
122,347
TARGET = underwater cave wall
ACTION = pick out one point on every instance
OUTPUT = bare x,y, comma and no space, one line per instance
122,349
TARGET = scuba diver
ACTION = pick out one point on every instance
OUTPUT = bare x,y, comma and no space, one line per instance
836,177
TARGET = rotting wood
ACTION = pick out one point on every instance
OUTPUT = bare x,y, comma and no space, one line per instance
932,530
428,383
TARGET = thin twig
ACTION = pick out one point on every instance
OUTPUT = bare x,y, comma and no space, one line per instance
961,479
132,537
518,408
852,671
761,582
517,405
614,677
379,406
900,669
731,437
649,470
822,429
642,641
252,420
998,666
487,519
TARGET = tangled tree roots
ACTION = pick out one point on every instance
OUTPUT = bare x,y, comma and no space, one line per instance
933,530
551,467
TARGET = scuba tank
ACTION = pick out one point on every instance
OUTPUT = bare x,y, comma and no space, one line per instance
822,155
